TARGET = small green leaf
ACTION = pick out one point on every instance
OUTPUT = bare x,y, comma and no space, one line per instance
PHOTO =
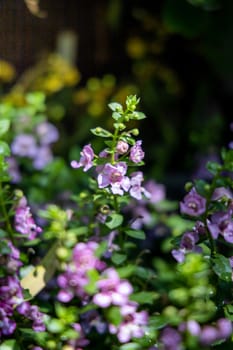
9,344
130,346
114,221
55,325
114,315
116,116
118,258
138,234
144,297
137,116
222,267
115,107
93,277
4,126
101,132
4,149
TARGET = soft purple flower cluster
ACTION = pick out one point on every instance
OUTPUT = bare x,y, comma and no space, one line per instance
171,338
35,146
73,281
219,223
114,175
24,222
111,290
11,296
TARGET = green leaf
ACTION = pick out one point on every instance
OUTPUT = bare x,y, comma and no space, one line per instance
101,132
130,346
213,167
222,267
126,271
4,149
9,344
93,277
228,310
144,297
114,221
55,325
114,315
137,116
116,116
138,234
4,126
118,258
115,107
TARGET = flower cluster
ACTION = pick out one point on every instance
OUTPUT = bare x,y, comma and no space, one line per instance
109,290
24,222
11,295
34,145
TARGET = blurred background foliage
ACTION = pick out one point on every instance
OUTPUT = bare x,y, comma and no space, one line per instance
176,55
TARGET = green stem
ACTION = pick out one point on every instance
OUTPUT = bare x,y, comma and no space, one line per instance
5,214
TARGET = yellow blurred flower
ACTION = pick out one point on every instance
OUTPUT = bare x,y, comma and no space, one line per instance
7,71
136,48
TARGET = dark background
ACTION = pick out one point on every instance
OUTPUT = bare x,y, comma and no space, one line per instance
184,76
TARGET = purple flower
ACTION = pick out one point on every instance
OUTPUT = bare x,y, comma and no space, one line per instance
136,153
84,257
42,158
24,145
75,278
87,155
187,244
133,324
13,170
171,339
122,147
221,192
47,133
157,191
79,342
221,223
112,290
136,189
32,313
193,204
114,176
24,222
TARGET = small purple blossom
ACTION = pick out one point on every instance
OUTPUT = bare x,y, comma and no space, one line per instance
157,191
114,176
133,324
87,155
112,290
13,170
187,244
24,145
43,157
221,192
171,339
47,133
122,147
193,204
24,222
136,152
221,223
136,189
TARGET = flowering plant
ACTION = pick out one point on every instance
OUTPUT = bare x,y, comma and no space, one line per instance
109,262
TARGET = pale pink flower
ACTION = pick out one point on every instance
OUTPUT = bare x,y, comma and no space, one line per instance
112,290
136,152
87,155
